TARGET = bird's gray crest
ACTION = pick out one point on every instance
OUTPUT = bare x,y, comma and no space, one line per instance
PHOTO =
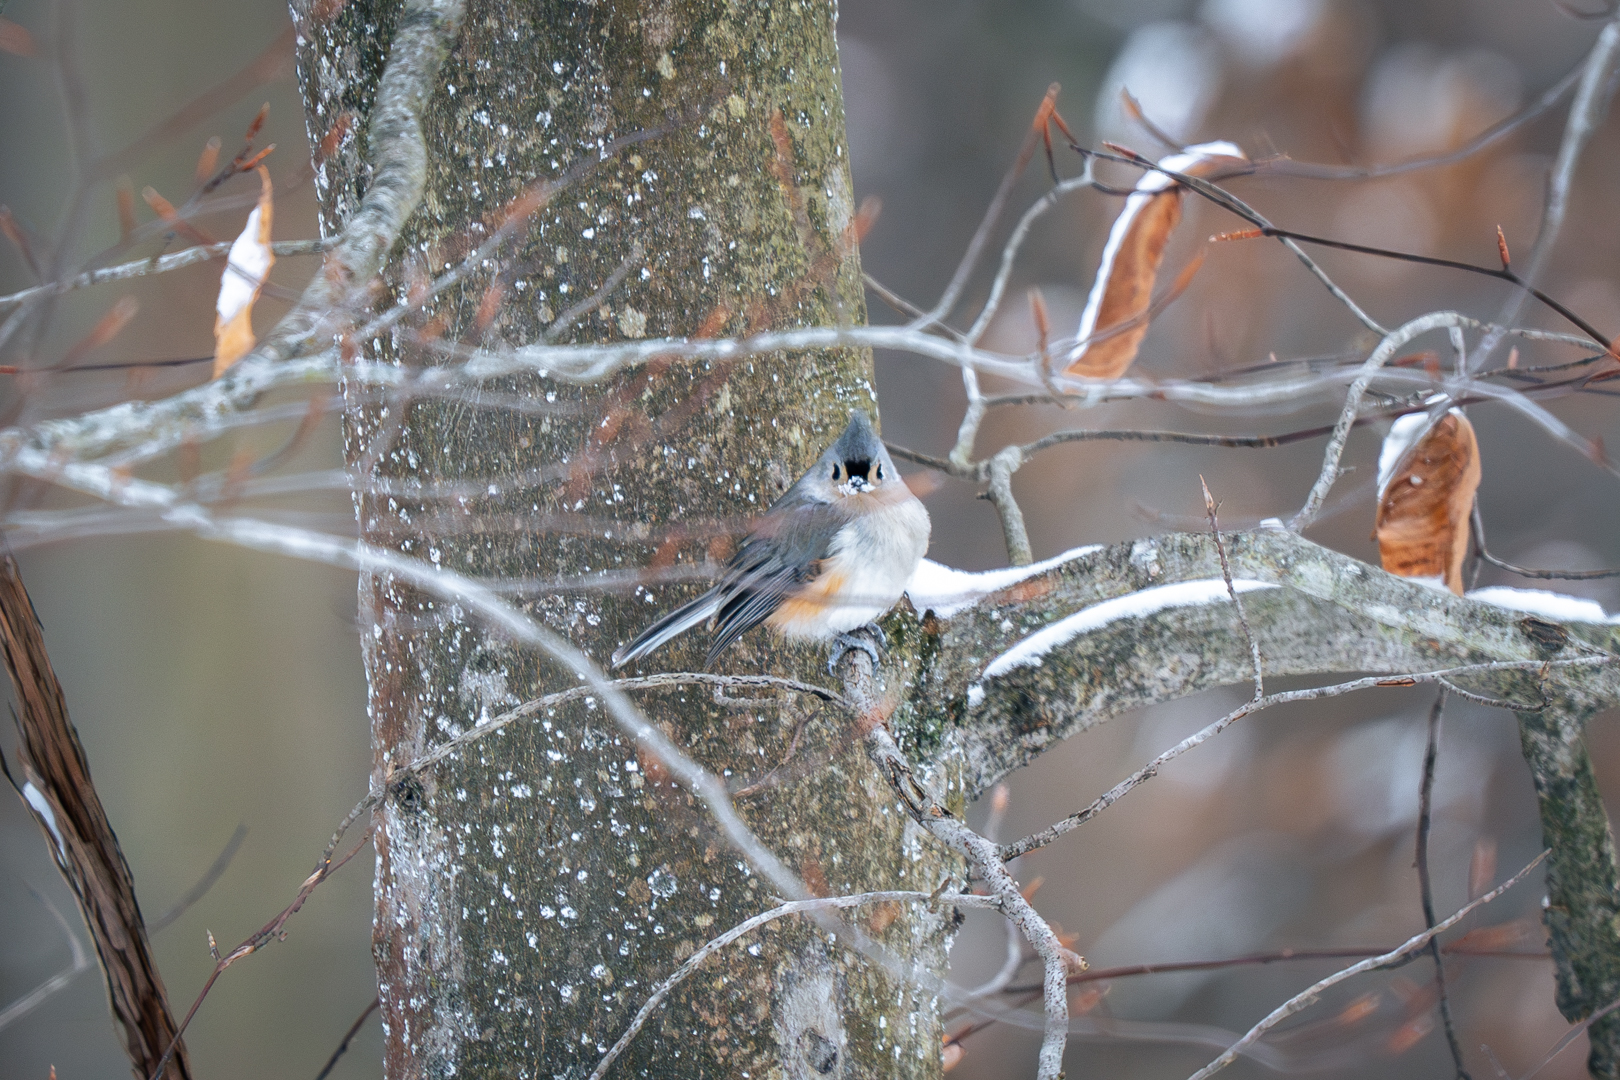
859,442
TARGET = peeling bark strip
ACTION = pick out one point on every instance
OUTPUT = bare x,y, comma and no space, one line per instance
535,886
56,786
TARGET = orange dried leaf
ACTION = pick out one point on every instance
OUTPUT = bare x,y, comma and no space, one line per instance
110,324
1502,248
16,39
246,267
951,1056
208,160
1504,937
1117,312
1481,867
126,209
258,122
862,222
18,238
923,484
165,210
107,327
253,162
1043,325
161,206
1427,481
1241,234
1357,1011
1046,109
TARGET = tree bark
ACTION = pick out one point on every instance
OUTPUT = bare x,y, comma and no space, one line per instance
531,890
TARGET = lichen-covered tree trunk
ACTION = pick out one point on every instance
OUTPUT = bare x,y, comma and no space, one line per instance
531,891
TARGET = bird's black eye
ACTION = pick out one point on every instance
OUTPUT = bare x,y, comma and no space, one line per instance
877,471
838,471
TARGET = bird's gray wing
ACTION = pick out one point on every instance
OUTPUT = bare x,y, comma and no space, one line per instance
777,559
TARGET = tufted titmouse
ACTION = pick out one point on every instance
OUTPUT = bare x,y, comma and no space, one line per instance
832,554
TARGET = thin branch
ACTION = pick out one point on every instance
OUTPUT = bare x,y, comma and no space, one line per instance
1231,591
1431,754
270,931
981,235
1009,252
348,1037
157,264
1000,494
649,682
1383,354
747,926
1212,191
32,1000
1151,769
1491,135
214,872
594,301
1585,114
1504,274
981,854
1524,571
1309,995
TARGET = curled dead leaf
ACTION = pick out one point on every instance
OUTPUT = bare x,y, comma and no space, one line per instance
246,267
1117,312
1427,481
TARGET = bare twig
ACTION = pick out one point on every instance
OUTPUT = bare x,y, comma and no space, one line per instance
1383,354
270,931
215,871
1431,754
1231,591
1000,493
747,926
1309,995
1151,769
348,1037
158,264
981,854
1524,571
32,1000
1585,113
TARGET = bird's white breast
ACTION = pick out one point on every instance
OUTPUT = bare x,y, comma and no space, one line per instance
875,556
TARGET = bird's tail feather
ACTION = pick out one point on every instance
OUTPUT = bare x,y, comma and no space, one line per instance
670,626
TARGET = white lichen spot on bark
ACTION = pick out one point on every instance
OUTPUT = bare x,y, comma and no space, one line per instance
632,323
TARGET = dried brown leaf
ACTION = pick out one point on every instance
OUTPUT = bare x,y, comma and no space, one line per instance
1423,509
245,270
15,39
1119,309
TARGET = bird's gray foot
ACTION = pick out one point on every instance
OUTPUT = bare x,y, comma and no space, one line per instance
869,639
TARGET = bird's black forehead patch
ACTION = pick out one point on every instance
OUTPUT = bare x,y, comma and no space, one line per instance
858,466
